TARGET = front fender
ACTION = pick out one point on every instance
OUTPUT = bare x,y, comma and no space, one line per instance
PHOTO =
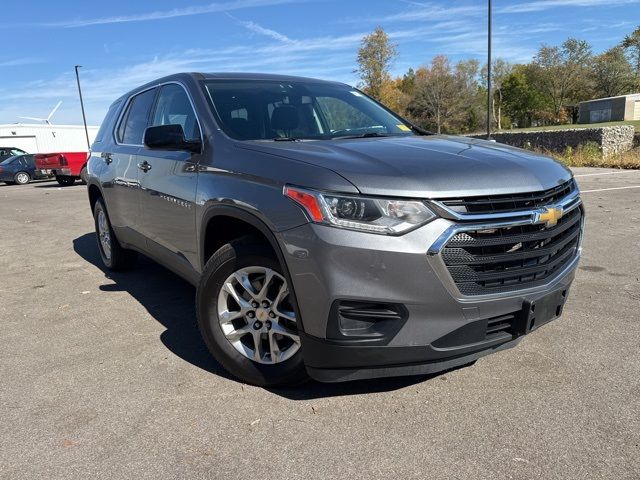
241,213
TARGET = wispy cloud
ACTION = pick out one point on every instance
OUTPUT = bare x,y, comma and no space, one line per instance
16,62
254,27
540,5
166,14
417,11
260,30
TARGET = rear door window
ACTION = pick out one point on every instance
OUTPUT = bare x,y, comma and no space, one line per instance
136,118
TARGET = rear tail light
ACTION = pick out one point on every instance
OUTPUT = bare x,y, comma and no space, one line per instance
63,160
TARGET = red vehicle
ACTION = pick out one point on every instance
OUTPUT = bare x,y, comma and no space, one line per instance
67,167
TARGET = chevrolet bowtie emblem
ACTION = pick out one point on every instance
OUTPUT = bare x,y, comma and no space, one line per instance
549,216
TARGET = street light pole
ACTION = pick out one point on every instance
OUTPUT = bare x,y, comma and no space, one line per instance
84,118
489,74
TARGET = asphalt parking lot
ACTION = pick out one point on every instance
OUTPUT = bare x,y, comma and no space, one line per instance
105,376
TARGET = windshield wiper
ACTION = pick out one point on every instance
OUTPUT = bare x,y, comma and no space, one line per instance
420,130
366,135
286,139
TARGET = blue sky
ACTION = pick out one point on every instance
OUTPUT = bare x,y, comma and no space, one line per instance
122,44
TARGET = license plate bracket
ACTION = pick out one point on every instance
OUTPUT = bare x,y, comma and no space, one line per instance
541,311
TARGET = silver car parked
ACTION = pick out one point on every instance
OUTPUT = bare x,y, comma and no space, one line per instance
327,236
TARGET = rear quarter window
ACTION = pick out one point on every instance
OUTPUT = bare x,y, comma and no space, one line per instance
107,123
136,118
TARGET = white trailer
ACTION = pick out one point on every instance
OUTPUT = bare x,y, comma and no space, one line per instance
43,138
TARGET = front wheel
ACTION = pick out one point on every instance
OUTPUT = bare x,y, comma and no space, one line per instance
246,316
22,178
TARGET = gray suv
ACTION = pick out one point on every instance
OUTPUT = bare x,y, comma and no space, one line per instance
327,236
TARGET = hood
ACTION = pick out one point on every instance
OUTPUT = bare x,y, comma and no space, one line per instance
425,166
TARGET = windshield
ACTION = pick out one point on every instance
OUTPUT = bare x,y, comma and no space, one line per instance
272,110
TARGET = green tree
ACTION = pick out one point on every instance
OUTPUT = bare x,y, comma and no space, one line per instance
408,82
631,44
375,57
523,103
612,73
562,73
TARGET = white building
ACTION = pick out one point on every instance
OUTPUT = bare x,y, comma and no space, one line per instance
43,138
610,109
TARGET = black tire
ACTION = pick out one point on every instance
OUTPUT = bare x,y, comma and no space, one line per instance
83,175
118,258
231,257
65,181
21,178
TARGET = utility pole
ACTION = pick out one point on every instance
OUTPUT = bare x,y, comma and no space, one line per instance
489,74
84,118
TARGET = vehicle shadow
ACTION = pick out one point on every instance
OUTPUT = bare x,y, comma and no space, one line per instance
170,300
313,390
54,184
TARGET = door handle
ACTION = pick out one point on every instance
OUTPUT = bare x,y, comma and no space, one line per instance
144,166
106,157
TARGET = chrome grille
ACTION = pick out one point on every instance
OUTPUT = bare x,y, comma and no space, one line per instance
511,257
509,203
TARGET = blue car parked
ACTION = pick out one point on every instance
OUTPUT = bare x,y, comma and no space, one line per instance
20,169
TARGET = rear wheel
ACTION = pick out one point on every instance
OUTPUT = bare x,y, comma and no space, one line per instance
22,178
246,317
113,255
83,175
65,181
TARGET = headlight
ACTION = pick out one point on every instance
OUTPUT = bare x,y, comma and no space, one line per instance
375,215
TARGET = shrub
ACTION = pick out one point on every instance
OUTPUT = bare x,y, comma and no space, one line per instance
590,155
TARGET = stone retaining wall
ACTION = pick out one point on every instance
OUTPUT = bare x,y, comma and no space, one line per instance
611,140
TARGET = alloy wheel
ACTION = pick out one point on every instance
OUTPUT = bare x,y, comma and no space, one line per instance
104,234
256,315
22,178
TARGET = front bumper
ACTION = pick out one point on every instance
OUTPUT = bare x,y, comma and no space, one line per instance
443,329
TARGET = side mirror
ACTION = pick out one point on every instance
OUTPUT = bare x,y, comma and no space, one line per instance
170,137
